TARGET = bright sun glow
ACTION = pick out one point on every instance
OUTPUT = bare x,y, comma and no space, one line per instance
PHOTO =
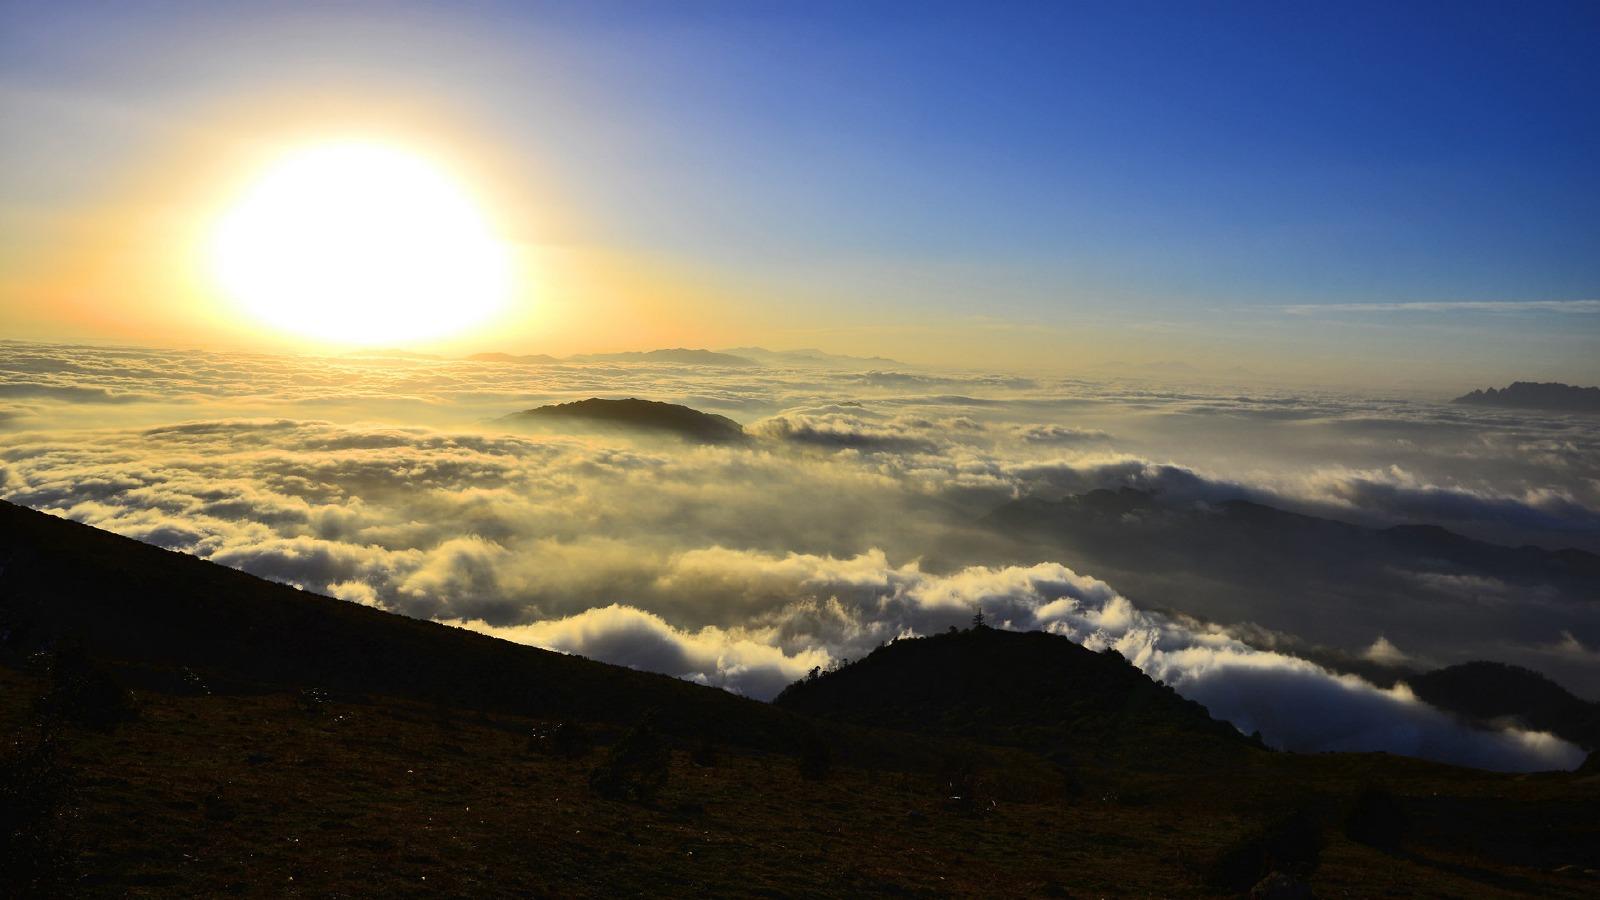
362,243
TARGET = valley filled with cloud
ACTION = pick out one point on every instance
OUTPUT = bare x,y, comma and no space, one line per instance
1239,544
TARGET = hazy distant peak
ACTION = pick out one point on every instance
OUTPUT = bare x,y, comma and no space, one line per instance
674,355
536,358
809,356
390,353
1537,395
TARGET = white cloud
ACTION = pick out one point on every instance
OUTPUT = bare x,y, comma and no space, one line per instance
734,659
1384,651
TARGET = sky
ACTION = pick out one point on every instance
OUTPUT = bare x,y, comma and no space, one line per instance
1312,191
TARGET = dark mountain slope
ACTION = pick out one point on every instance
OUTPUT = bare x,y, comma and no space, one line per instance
155,612
1489,690
1034,690
1550,395
633,414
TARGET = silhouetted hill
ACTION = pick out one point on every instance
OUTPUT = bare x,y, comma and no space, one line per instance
1039,691
637,415
156,612
675,356
1537,395
1487,691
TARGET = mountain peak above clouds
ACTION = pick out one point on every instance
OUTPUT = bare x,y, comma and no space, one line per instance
1550,395
634,414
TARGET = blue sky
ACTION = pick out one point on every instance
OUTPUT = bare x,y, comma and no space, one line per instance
1115,164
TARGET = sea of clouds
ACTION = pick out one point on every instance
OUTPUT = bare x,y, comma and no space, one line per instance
853,517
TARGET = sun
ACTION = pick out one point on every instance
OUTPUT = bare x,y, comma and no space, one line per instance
361,243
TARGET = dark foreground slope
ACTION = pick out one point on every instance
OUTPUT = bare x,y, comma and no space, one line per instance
277,743
633,414
155,614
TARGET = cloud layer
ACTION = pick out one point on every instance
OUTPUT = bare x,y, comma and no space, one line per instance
853,518
852,605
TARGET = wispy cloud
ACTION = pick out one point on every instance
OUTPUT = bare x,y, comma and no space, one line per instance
1570,307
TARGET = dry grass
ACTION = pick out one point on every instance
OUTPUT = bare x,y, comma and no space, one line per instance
259,795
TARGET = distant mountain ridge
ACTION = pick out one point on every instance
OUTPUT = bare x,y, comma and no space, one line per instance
810,356
680,356
635,414
1537,395
732,357
525,358
1229,559
1092,518
676,356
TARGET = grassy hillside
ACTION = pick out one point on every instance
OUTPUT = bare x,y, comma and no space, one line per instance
155,613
